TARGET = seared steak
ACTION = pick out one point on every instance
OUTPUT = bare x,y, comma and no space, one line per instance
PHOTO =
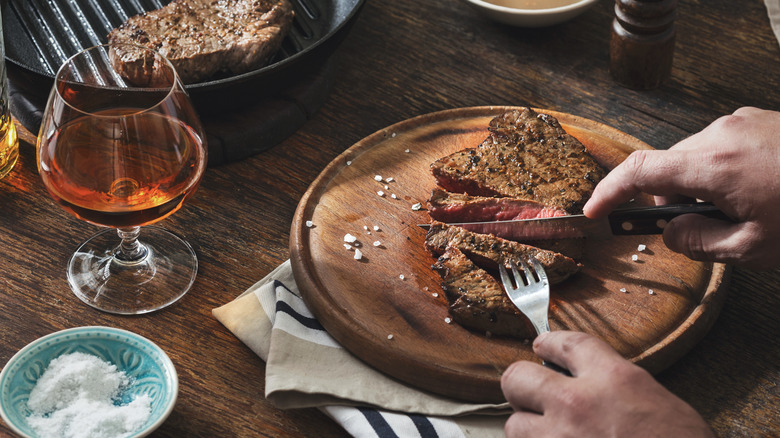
487,251
476,299
527,155
458,207
204,37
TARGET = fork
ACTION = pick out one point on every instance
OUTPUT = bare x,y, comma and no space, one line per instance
531,296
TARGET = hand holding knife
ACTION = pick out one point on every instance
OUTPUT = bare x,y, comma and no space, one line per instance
637,220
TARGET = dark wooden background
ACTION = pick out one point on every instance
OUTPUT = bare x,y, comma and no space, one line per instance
401,59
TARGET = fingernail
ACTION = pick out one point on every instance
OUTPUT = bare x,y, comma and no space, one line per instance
539,339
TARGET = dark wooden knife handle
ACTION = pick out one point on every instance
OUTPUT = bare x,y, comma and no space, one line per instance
652,220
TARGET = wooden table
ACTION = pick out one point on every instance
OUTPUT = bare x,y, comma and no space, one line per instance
405,58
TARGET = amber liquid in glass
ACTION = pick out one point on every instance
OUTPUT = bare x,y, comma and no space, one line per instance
122,171
9,144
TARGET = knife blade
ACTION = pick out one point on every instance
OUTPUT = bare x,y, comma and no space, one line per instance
637,220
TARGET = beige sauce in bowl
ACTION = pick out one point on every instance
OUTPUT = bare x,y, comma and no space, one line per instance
532,4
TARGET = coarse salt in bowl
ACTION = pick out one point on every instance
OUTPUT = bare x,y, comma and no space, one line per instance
151,371
531,13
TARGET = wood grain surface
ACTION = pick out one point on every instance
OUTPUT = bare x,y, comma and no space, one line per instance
405,58
392,289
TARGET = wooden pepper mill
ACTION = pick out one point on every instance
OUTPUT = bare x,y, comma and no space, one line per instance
642,44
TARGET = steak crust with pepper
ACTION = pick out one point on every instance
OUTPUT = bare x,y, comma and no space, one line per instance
487,251
526,155
476,299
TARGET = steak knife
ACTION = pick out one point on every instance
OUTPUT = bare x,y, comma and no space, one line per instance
622,221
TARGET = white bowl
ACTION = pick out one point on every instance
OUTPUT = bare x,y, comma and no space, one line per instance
517,16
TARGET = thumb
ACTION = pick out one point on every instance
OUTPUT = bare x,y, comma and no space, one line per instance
705,239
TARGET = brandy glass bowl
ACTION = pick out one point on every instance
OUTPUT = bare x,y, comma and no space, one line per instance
121,146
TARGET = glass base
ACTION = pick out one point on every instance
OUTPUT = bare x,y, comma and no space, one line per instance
158,279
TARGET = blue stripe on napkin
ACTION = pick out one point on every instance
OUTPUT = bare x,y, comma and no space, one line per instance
309,323
378,422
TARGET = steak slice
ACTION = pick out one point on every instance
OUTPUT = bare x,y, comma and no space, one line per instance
476,299
445,206
204,37
487,251
527,155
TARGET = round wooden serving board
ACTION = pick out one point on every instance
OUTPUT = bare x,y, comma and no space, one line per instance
392,290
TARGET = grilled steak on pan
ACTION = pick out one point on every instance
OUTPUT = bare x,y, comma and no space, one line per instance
476,299
487,251
204,37
527,155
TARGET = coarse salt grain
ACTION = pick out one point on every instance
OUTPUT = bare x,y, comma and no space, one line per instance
389,179
349,162
634,257
390,336
641,247
349,238
309,224
416,206
377,243
348,247
76,396
376,228
407,150
394,196
380,193
358,254
448,320
435,295
622,289
387,187
402,277
377,177
651,292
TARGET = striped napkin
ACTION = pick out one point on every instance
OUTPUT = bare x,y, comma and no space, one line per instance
306,367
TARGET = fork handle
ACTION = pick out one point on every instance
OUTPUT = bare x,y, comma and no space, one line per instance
556,367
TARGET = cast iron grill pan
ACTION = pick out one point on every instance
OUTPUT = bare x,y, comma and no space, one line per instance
41,34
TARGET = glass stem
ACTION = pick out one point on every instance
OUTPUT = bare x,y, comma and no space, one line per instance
130,250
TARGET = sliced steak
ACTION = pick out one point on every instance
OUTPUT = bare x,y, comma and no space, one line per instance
446,206
204,37
527,155
476,299
487,251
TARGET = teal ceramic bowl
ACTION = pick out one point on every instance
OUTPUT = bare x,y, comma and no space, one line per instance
150,368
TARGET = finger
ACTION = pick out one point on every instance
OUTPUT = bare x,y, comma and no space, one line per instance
674,199
705,239
526,385
643,171
522,424
578,352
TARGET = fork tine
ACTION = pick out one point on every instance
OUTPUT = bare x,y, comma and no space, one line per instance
504,277
516,273
539,270
529,276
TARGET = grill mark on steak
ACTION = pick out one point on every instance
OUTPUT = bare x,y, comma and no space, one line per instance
527,155
458,207
204,37
487,251
476,299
